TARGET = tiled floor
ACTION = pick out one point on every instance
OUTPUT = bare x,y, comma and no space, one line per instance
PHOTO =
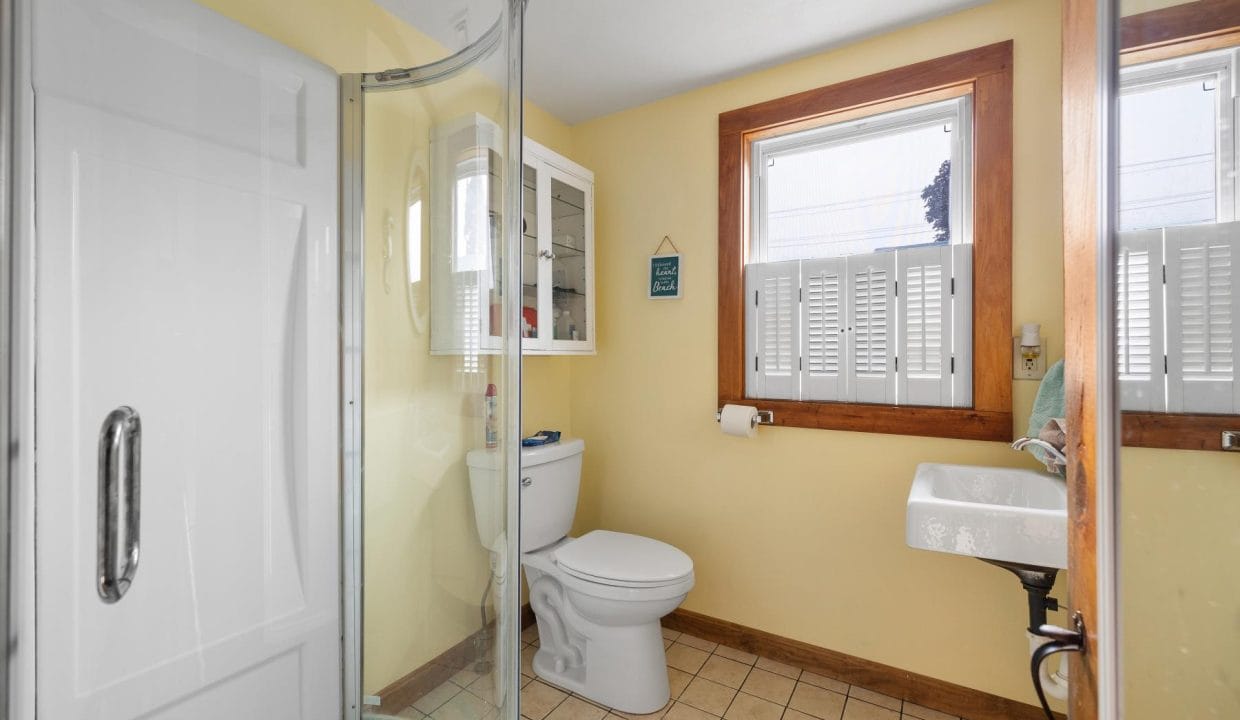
708,682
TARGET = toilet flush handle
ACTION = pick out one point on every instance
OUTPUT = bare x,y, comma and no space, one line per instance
527,481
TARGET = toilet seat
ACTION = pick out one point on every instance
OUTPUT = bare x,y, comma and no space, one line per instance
623,560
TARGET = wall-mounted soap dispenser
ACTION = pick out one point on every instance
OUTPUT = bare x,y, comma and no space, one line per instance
1029,353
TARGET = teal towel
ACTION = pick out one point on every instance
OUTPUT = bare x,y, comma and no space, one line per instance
1046,406
1049,402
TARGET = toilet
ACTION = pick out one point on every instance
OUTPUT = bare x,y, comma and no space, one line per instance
597,598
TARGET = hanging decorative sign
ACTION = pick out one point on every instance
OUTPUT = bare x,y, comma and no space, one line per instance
665,272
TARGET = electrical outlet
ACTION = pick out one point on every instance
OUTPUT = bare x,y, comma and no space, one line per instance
1028,368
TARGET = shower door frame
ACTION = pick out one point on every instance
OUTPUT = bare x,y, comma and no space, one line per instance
353,89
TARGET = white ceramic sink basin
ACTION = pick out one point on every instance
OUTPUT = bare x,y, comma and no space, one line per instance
1011,515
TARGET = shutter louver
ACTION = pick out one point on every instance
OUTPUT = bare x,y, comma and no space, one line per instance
871,292
1201,308
822,329
925,325
774,341
1139,321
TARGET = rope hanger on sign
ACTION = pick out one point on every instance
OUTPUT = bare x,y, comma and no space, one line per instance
667,239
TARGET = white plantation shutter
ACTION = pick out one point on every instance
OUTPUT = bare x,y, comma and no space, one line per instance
871,321
1139,321
925,346
773,337
1202,297
823,336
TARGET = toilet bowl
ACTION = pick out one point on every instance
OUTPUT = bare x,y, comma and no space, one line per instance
598,598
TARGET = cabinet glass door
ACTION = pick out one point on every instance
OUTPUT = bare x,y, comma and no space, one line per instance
529,253
572,311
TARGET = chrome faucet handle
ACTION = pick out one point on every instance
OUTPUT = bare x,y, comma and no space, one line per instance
1054,452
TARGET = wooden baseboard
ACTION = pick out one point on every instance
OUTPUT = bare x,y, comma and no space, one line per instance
920,689
410,688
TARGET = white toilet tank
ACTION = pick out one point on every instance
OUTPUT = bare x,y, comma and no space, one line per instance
550,479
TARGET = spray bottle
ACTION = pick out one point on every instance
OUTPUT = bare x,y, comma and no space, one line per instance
491,404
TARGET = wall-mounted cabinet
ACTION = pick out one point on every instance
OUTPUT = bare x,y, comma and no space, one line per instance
557,245
557,254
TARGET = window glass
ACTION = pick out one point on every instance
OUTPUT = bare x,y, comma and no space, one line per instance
1168,154
858,196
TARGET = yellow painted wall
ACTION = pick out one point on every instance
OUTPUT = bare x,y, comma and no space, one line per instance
425,570
800,532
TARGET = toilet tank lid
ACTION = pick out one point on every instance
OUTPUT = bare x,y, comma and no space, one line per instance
493,458
608,555
540,454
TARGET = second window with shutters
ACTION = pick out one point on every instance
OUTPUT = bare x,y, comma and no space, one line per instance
859,268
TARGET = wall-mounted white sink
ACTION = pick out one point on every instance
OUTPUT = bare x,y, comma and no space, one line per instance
1005,514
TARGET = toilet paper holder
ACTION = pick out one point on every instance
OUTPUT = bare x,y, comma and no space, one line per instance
765,417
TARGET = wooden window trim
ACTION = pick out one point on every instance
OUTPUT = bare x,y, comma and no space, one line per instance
987,71
1157,35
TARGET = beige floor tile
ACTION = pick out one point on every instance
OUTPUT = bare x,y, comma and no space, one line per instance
411,713
707,695
667,643
465,677
484,687
724,671
738,655
464,706
527,661
748,707
538,699
648,716
769,686
697,642
875,698
779,668
822,681
530,634
670,634
858,710
818,702
925,713
431,701
791,714
575,708
680,711
683,657
677,681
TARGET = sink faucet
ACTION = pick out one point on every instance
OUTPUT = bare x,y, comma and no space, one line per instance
1054,452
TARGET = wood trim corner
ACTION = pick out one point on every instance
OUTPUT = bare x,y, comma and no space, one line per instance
920,689
987,72
1177,24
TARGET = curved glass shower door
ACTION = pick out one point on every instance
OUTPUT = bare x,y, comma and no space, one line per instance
428,154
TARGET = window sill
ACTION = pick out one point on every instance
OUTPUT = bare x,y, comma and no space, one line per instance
939,422
1176,432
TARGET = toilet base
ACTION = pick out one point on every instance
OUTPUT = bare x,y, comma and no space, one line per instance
623,668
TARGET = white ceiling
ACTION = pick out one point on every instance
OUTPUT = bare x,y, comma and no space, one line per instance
588,58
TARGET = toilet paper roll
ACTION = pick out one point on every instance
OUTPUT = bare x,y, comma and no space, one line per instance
739,420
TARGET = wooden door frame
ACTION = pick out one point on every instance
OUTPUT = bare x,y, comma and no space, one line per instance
1090,60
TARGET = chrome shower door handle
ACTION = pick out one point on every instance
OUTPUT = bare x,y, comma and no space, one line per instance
120,471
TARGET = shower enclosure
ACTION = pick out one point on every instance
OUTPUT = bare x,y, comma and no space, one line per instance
428,154
237,482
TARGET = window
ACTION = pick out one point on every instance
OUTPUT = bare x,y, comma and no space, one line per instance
859,267
1176,291
850,230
